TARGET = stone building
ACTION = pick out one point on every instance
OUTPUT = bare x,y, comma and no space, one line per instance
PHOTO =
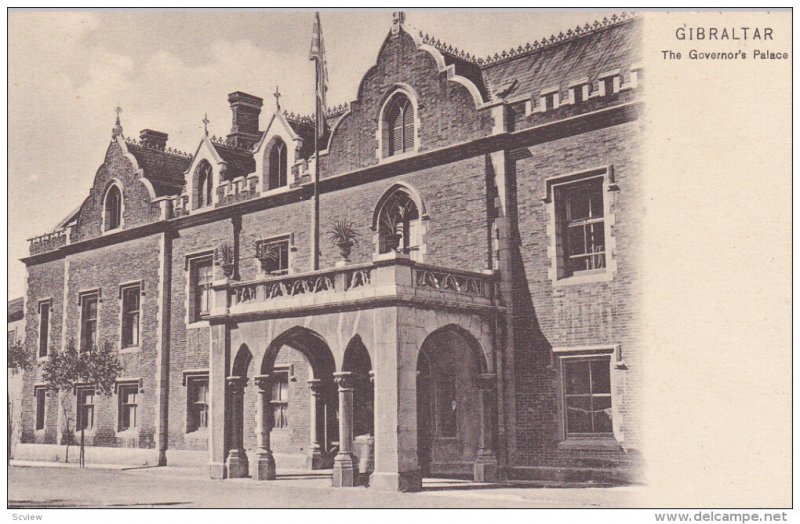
484,325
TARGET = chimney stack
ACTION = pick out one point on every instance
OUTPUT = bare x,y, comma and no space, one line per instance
153,139
246,110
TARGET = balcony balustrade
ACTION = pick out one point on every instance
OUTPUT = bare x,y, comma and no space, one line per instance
388,279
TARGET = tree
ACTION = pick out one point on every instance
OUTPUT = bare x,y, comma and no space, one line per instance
65,371
19,359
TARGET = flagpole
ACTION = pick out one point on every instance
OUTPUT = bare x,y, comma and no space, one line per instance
316,168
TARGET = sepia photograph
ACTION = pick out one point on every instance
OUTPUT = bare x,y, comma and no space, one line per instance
386,258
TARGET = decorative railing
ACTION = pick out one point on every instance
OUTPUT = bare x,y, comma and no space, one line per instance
447,280
388,278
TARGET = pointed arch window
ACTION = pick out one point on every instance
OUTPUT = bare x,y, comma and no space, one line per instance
204,184
399,224
278,165
400,125
112,208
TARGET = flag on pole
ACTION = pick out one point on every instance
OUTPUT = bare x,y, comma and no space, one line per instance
317,54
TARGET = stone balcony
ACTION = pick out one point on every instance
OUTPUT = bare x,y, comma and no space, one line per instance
392,279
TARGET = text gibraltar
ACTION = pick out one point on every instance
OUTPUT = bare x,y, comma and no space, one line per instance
723,33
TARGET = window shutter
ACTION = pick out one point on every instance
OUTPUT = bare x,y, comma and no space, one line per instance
397,129
408,127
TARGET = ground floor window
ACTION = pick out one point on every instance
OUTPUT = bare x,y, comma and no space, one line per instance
41,395
587,396
198,403
85,408
128,405
280,399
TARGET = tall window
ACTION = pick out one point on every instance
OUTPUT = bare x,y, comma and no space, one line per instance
446,407
128,394
205,181
88,322
587,394
280,399
41,395
399,123
202,276
579,207
197,409
399,224
44,328
113,208
130,316
278,165
85,408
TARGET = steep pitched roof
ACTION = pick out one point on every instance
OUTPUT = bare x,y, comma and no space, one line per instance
593,51
240,161
164,168
585,51
15,311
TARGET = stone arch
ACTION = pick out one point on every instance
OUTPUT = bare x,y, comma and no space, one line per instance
203,184
276,165
311,344
450,364
241,363
398,91
357,361
413,228
113,211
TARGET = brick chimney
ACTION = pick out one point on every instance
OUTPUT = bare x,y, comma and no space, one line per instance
153,139
246,110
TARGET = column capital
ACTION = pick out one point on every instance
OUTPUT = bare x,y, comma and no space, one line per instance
344,379
316,386
263,382
487,381
236,383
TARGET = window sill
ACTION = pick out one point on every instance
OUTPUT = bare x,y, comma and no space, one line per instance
199,434
197,324
585,277
128,433
590,443
398,156
43,359
131,349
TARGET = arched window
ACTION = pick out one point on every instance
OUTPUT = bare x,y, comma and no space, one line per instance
204,184
278,165
399,123
112,208
398,224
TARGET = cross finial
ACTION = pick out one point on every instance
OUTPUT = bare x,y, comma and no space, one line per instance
117,131
277,95
205,123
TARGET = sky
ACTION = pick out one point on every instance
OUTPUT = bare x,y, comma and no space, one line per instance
68,70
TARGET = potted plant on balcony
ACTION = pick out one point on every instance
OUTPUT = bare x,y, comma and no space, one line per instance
393,219
344,236
224,257
268,254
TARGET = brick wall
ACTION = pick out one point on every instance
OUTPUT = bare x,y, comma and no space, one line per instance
137,208
446,113
576,315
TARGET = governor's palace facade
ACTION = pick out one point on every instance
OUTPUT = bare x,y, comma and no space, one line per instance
485,324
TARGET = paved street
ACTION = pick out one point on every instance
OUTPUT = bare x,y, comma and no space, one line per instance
40,487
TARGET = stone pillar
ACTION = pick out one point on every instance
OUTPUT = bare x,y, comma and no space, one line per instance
217,393
395,386
266,462
316,458
344,465
236,462
485,469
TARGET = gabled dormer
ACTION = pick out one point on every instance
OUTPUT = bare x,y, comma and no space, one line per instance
280,148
